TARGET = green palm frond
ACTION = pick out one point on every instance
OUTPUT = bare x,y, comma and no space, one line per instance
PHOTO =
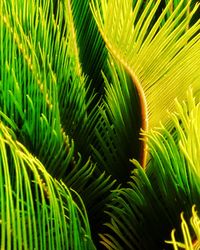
191,240
78,81
44,96
162,59
142,215
90,45
36,211
30,95
119,124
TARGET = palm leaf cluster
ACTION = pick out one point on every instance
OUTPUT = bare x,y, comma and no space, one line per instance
157,196
188,242
37,212
95,149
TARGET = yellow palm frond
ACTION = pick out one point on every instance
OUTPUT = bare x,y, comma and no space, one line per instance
162,59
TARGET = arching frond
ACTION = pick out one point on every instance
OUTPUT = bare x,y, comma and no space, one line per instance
36,211
143,214
119,124
90,45
43,96
61,117
162,59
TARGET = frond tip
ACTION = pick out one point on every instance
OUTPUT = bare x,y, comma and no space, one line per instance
191,241
188,129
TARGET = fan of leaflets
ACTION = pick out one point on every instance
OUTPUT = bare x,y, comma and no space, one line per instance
36,211
142,215
191,238
161,55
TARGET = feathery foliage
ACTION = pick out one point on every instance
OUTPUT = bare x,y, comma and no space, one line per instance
43,95
143,214
79,79
37,212
190,243
161,58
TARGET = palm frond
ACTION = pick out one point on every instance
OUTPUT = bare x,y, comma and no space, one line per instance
62,117
91,48
189,114
142,215
118,126
36,211
191,241
30,93
43,96
158,57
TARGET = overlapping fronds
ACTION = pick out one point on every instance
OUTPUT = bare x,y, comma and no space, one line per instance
107,146
43,95
191,238
73,111
119,124
142,52
161,56
36,211
188,130
28,81
90,45
143,214
32,56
